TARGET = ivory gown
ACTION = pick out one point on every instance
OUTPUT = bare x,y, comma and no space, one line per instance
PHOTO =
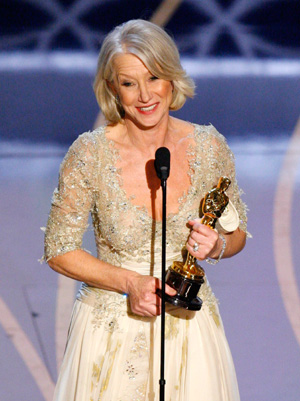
111,354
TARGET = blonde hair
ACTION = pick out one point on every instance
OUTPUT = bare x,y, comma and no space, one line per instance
155,48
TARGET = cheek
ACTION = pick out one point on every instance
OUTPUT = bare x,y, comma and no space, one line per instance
127,98
167,90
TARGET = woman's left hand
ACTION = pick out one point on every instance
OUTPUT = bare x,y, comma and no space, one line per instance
206,238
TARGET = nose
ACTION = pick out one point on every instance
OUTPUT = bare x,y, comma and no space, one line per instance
145,94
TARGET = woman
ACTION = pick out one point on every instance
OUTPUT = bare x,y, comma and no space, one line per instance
113,348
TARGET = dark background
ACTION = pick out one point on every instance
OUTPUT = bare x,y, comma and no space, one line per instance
49,49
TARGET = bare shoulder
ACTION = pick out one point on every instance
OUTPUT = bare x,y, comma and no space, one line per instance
114,132
180,128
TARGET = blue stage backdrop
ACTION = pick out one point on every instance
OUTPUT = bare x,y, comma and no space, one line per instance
49,51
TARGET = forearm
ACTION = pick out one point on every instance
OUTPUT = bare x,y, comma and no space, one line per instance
141,289
82,266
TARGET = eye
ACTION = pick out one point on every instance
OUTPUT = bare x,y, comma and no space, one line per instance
153,78
126,84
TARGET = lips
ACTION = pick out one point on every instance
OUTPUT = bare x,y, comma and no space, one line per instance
147,109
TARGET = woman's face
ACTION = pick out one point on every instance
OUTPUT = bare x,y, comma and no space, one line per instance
145,98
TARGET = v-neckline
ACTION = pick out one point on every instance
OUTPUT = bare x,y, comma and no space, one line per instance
183,200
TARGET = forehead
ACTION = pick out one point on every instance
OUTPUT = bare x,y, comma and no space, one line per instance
128,64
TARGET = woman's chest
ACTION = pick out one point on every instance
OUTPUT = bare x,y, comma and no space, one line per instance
128,221
140,185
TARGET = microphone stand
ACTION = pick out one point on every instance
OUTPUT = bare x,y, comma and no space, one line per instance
162,381
162,167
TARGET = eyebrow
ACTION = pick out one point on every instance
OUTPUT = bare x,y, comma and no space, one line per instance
124,75
130,76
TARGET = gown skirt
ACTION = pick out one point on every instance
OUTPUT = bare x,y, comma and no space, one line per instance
114,355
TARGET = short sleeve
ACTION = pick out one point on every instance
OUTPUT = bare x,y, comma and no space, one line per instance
73,198
224,163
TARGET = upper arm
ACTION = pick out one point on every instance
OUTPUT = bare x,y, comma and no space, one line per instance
72,199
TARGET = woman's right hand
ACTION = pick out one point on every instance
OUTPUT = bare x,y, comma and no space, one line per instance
143,298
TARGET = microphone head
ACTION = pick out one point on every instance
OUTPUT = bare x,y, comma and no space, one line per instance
162,163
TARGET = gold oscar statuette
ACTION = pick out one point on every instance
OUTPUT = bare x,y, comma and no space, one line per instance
187,277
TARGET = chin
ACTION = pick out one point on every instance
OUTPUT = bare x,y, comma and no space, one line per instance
145,123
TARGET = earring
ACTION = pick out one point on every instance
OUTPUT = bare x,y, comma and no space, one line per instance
117,100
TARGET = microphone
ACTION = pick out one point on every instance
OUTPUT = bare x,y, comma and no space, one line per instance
162,163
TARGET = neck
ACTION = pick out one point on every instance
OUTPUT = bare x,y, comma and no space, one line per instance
148,140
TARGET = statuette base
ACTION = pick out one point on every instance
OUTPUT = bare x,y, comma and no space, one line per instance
187,290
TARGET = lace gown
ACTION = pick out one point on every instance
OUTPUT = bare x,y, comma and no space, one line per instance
112,354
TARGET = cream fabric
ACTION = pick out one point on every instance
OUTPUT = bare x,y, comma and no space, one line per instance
111,354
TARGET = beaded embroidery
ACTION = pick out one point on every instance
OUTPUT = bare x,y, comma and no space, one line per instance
136,367
108,308
90,182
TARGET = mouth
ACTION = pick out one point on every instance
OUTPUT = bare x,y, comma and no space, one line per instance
147,109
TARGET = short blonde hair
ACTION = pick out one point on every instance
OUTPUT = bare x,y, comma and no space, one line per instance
155,48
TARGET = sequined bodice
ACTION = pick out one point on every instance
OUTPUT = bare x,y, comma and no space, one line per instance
90,182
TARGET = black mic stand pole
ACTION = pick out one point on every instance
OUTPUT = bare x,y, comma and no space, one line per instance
162,167
162,381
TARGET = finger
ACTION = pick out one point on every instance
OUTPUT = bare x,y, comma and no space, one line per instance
170,291
157,283
194,221
202,236
195,241
144,313
200,228
199,254
194,237
153,309
148,310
